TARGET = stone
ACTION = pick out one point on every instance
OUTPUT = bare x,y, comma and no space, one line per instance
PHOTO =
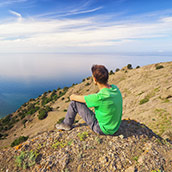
130,169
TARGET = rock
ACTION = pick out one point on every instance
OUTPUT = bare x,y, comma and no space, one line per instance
79,169
130,169
121,136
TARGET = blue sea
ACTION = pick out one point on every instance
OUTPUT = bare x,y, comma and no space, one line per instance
13,94
26,76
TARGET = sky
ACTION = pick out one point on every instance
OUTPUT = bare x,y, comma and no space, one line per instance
32,29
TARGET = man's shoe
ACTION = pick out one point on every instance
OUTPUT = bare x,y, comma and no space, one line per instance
63,126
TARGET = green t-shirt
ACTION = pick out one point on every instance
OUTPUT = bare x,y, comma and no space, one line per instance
108,108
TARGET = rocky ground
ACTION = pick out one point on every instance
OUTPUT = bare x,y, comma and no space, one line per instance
133,148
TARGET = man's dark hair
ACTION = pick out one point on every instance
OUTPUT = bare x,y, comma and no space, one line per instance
100,73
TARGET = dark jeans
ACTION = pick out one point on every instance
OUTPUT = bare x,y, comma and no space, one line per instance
87,115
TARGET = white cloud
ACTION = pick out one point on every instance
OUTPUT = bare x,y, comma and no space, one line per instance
64,13
8,2
31,35
16,14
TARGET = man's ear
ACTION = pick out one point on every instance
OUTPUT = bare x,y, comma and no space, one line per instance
94,80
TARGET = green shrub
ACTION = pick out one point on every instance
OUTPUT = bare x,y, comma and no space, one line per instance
45,100
7,119
27,159
31,100
159,67
48,108
22,115
83,136
33,110
24,105
58,89
60,120
42,114
24,121
74,84
83,80
3,136
111,72
87,84
129,66
8,122
137,67
144,100
1,128
68,100
65,89
65,110
19,140
117,69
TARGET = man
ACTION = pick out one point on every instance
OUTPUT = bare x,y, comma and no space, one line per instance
107,103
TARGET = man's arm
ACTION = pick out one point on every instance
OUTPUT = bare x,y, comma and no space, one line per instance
77,98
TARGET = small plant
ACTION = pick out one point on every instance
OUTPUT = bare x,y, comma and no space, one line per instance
83,80
159,67
99,140
144,100
87,84
24,122
19,140
137,67
65,110
169,134
136,158
60,120
74,84
31,100
111,72
26,159
68,100
129,66
76,121
61,144
3,136
83,136
117,69
43,112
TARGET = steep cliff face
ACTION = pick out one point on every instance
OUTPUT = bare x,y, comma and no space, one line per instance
143,142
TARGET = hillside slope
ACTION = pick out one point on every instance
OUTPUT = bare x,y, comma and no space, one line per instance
147,99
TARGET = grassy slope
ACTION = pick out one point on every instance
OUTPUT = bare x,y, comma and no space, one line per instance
135,85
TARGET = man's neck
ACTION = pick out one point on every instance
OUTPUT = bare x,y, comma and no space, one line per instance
101,86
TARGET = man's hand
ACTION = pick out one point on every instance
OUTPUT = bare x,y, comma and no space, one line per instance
72,96
77,98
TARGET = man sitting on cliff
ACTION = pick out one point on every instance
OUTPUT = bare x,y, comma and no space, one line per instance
107,103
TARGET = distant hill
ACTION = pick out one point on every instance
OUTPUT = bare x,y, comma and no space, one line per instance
146,127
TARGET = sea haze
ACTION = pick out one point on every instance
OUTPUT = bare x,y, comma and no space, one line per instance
25,76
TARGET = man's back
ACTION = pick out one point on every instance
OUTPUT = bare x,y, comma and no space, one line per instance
108,108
